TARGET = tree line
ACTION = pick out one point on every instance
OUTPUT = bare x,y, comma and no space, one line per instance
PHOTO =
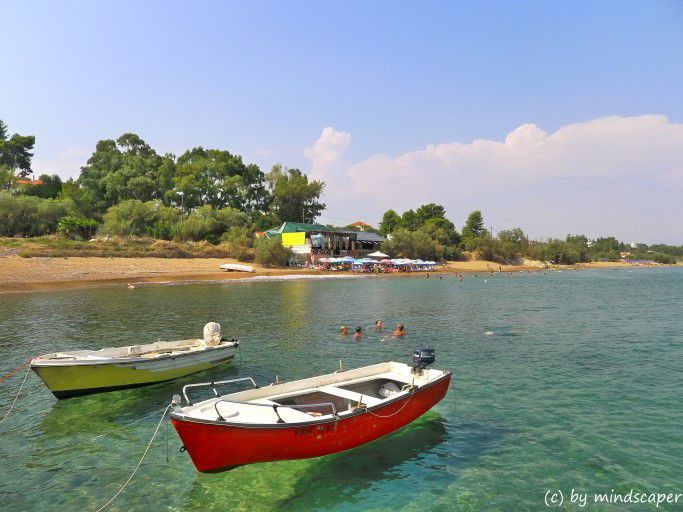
426,233
126,188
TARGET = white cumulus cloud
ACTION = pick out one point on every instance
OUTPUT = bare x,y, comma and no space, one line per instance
327,150
608,175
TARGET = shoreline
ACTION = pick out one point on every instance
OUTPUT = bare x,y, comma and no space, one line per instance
25,275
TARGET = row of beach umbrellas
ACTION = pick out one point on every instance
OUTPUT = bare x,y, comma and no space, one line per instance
369,261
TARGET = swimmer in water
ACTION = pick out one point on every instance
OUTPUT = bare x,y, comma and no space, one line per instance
378,325
343,330
399,331
357,333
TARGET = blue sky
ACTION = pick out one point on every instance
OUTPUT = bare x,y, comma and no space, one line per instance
264,79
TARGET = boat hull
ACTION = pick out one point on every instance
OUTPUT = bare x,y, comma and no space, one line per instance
68,381
214,447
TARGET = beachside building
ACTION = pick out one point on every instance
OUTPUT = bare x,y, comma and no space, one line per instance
313,241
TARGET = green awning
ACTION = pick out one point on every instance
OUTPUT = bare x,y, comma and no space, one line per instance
296,227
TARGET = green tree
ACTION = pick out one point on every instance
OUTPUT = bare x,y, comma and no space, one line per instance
219,179
442,230
606,247
412,244
127,168
269,251
672,250
15,151
427,212
474,226
661,257
137,218
391,221
206,223
486,247
409,220
82,198
294,198
579,245
6,177
49,189
561,252
29,215
76,228
512,243
261,221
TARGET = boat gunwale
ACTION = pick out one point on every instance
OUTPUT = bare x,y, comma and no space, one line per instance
314,421
41,362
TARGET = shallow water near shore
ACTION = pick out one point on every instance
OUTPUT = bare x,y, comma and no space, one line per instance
562,381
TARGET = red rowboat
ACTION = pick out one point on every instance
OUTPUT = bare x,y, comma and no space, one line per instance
307,418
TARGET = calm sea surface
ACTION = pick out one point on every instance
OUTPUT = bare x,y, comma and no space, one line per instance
564,380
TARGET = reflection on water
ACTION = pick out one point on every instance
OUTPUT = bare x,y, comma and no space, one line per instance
328,481
578,385
340,478
294,307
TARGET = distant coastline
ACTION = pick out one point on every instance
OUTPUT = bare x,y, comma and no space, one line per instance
21,275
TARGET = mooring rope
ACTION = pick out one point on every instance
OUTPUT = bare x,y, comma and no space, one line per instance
5,377
17,395
139,463
129,424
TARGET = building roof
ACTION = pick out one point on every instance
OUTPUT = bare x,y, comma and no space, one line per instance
362,236
296,227
361,224
366,236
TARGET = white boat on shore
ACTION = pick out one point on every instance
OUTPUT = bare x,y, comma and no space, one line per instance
236,267
83,372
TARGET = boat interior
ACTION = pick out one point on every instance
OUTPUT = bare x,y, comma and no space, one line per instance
312,399
148,351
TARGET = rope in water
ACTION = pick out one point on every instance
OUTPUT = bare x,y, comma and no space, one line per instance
5,377
139,463
17,395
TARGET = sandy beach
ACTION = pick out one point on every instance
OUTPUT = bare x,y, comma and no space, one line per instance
19,274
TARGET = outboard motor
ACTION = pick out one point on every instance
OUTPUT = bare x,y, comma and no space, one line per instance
423,357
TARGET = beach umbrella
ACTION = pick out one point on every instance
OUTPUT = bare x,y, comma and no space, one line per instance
350,259
378,254
385,262
324,260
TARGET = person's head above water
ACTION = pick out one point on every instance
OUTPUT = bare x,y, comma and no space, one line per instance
357,333
399,327
378,324
344,330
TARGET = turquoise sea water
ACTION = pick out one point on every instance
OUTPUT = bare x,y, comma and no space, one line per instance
561,381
